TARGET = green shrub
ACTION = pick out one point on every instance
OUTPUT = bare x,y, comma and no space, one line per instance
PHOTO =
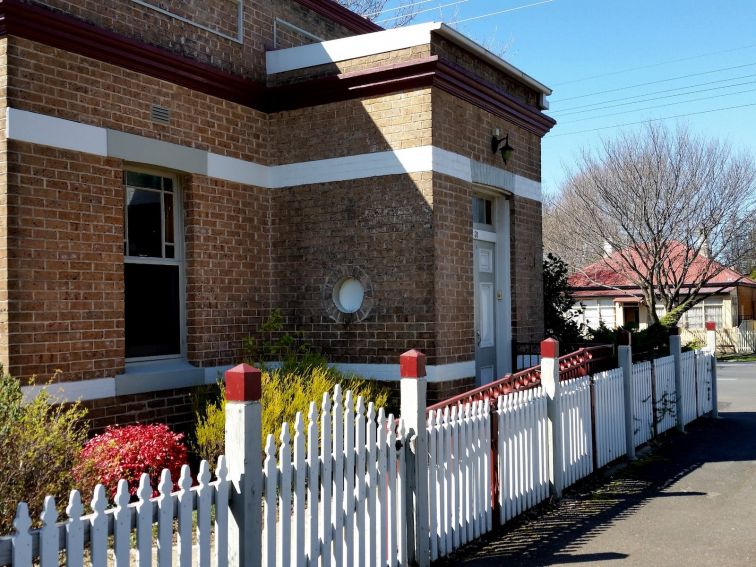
284,394
39,444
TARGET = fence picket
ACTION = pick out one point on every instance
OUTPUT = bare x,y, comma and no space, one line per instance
284,540
48,534
300,471
99,529
270,477
122,525
144,522
383,521
401,495
338,477
454,508
75,532
359,441
326,466
221,513
447,485
371,522
204,500
435,505
349,472
185,518
22,541
392,514
312,485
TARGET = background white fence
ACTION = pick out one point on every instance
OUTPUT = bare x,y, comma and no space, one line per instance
609,409
353,486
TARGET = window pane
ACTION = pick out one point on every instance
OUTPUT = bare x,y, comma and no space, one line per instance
482,210
143,180
143,218
695,318
168,211
152,310
168,184
714,313
489,211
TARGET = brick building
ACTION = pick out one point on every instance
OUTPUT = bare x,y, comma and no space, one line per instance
172,171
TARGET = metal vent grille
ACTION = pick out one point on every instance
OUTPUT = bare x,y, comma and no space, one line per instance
160,114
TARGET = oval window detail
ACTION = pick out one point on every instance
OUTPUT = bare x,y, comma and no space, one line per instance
348,295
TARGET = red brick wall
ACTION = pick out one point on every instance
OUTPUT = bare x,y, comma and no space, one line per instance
526,270
65,263
227,266
247,59
384,227
65,85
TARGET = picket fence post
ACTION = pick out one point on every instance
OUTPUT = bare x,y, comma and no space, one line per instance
675,349
550,384
414,385
711,348
625,359
244,455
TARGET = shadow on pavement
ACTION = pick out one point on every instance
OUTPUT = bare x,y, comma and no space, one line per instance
552,534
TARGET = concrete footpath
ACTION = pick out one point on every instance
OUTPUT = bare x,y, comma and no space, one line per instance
690,502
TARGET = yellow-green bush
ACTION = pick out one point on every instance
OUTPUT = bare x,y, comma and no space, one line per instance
39,444
284,394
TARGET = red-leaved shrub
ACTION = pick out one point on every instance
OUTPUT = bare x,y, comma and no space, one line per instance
127,452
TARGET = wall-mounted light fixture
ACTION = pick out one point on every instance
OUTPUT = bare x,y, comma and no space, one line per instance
505,150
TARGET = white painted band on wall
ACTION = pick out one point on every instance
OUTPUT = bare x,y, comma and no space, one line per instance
95,389
69,135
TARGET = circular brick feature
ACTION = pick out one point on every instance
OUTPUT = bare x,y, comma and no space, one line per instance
347,295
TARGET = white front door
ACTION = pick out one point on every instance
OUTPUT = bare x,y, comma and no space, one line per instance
485,310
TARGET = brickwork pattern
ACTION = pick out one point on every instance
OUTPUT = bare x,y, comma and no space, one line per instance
382,226
247,59
453,282
64,264
463,128
65,85
527,270
378,124
227,265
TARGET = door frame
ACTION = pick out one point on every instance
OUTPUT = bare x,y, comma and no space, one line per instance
501,236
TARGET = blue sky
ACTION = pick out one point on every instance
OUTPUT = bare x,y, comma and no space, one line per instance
701,53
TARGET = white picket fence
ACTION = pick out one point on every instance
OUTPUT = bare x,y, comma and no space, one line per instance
746,337
459,476
337,495
689,386
577,447
523,452
665,395
203,545
643,405
609,415
704,378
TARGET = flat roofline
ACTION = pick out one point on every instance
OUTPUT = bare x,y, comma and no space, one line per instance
332,51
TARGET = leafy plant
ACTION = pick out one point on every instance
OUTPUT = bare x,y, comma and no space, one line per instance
558,309
39,444
284,394
127,452
272,344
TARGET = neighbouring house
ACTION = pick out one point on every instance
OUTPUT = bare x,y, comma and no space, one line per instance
174,171
609,297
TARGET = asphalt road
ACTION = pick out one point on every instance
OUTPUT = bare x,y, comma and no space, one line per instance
690,502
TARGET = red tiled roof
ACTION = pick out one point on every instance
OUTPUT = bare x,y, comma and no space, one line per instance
600,275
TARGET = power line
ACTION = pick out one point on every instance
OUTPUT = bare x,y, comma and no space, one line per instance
654,120
621,99
395,8
627,70
659,106
657,82
413,14
659,98
503,11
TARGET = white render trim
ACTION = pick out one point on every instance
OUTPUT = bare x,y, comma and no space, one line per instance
390,372
80,390
50,131
69,135
364,45
352,47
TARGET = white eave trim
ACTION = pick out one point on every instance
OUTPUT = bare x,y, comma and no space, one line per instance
332,51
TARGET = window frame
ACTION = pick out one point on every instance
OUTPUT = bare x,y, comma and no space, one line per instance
178,250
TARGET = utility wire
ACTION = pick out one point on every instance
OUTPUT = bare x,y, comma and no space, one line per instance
627,70
503,11
413,14
658,98
395,8
654,120
659,106
622,99
659,81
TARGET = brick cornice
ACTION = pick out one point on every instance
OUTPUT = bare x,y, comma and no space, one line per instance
337,13
65,32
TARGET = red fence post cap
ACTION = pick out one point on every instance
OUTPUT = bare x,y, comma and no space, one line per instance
625,338
412,364
550,348
243,384
711,326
